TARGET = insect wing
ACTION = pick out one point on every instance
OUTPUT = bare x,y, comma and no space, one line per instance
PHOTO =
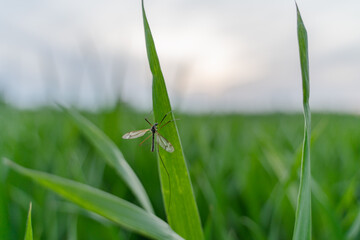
165,144
135,134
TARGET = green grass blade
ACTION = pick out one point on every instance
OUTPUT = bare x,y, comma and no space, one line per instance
113,157
302,229
354,231
323,205
4,213
29,232
180,206
109,206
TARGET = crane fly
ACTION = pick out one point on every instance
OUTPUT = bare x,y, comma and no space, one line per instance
165,144
156,136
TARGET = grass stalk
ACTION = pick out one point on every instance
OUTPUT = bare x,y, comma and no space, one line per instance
178,195
302,228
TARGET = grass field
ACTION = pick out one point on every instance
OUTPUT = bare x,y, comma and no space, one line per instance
244,170
242,176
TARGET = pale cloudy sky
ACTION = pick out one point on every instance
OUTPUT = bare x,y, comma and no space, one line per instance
216,55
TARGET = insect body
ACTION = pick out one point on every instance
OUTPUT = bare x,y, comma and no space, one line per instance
156,136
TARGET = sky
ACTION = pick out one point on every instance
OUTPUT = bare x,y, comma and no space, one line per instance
215,55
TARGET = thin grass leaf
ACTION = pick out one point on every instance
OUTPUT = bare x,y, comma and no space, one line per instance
302,228
180,205
113,157
29,231
109,206
255,230
4,213
354,231
323,203
344,206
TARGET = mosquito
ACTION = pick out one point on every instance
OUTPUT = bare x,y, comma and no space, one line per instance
165,144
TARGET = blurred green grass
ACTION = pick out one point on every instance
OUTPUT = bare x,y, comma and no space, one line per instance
244,170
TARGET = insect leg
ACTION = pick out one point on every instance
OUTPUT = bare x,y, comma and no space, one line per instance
144,140
148,121
168,175
164,117
167,123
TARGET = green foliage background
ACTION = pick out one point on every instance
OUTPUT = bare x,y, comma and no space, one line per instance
244,170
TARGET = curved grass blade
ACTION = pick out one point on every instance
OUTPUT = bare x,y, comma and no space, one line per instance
113,156
29,232
302,228
182,212
109,206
